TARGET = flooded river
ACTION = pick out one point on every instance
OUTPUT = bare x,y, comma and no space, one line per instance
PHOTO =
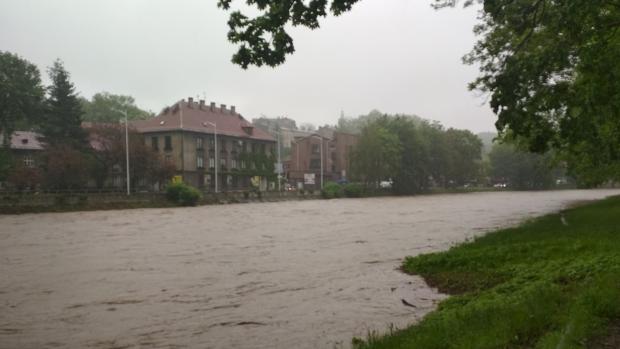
307,274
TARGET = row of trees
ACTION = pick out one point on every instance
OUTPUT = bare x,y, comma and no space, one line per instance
73,155
415,154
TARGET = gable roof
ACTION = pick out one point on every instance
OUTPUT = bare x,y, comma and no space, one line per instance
25,140
196,116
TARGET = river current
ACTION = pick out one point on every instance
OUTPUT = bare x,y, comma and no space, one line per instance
300,274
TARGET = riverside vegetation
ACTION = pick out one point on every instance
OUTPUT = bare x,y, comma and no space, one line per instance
553,282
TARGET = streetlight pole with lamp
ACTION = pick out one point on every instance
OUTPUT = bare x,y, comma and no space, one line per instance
215,141
124,112
321,138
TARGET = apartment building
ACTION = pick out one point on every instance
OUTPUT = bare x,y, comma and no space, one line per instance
311,153
185,135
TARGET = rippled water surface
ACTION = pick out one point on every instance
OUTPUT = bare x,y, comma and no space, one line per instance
307,274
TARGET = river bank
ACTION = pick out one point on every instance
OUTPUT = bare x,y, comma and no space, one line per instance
553,282
42,202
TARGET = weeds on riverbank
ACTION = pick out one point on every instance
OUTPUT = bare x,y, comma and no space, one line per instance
553,282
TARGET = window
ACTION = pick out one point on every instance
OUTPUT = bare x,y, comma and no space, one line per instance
168,159
262,149
233,163
254,147
243,164
211,142
316,149
199,143
28,161
200,161
155,143
315,163
223,162
168,141
211,161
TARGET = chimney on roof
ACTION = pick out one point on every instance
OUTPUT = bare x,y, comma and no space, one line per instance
190,102
212,106
232,109
223,107
202,104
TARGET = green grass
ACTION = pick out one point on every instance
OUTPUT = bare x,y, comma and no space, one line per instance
540,285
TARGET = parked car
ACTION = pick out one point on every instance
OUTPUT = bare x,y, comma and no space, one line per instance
385,184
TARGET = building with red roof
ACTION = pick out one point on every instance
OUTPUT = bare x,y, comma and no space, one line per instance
184,135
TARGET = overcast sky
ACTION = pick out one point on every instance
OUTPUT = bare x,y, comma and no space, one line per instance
397,56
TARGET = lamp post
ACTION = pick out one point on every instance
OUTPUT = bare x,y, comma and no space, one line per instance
321,138
124,112
215,140
279,161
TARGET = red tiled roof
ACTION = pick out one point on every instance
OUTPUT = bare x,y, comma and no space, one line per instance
195,117
25,140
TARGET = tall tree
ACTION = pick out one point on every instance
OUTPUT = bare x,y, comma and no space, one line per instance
376,156
63,112
464,150
105,107
551,69
21,94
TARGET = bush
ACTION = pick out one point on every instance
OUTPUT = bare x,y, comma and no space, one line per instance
331,190
353,190
183,194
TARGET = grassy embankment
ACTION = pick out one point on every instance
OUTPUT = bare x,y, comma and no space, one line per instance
544,284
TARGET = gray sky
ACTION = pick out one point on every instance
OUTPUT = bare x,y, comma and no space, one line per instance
398,56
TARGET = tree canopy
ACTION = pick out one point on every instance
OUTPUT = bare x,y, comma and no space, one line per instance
21,94
550,68
416,154
105,107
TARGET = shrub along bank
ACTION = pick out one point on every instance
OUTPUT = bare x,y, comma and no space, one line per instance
553,282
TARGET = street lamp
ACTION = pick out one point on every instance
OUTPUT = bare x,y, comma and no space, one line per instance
279,167
124,112
215,139
321,138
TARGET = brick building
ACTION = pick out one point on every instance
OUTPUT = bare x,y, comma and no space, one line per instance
184,135
305,159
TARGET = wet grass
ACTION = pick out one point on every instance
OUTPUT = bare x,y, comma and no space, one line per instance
548,283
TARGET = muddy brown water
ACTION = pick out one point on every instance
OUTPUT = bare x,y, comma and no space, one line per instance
307,274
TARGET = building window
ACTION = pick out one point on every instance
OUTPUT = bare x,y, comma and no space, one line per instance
199,143
243,164
315,163
28,161
211,142
262,149
254,147
168,143
233,163
168,159
211,162
200,161
155,143
223,162
316,149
